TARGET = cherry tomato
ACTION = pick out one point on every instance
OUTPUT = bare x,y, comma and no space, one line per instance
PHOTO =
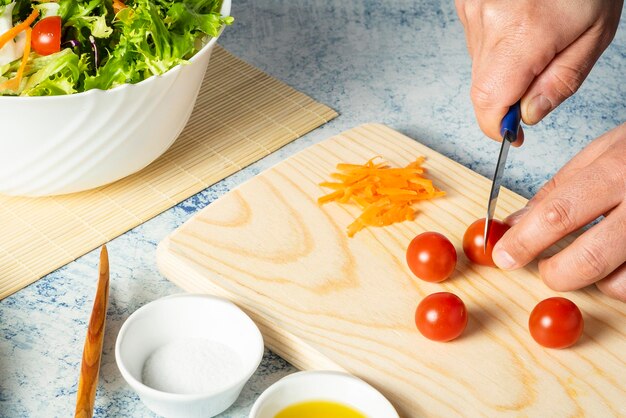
473,241
46,35
431,257
556,323
441,316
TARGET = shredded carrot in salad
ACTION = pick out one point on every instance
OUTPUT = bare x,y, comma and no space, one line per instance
14,83
384,194
118,5
15,30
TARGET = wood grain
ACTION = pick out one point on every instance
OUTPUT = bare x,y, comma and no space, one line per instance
92,351
323,300
240,116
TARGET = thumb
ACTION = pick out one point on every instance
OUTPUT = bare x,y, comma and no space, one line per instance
562,77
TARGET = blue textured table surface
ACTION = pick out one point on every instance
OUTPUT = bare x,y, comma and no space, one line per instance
402,63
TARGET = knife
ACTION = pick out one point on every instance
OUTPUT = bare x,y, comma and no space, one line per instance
508,129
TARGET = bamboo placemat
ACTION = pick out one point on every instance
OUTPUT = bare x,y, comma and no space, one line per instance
241,115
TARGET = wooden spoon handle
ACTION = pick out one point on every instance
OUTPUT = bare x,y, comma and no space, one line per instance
88,380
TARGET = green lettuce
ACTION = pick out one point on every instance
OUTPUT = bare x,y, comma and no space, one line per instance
155,36
56,76
148,37
86,18
49,75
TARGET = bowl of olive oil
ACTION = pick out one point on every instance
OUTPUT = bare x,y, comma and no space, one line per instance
322,394
316,409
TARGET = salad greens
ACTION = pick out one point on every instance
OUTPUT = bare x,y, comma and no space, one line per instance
105,43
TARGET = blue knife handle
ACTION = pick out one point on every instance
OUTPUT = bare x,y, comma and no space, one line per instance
510,122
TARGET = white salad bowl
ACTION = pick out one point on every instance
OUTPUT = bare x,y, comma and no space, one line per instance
64,144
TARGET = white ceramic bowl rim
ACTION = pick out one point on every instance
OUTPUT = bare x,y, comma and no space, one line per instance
301,376
206,47
179,396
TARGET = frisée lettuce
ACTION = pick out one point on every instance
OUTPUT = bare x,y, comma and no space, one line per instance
104,43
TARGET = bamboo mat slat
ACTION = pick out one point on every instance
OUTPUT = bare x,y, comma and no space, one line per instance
241,115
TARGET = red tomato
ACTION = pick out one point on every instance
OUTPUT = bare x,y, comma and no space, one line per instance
46,35
431,257
441,316
556,323
473,241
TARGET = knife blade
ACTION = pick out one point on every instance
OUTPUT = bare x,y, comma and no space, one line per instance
508,129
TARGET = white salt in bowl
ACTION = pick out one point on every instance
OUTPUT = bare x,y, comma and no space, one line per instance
161,325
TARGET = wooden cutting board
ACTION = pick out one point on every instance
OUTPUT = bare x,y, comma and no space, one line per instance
326,301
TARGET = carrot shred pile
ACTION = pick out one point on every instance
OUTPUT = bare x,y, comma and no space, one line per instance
384,194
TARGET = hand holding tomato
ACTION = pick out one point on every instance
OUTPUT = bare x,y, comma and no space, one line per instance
474,241
592,184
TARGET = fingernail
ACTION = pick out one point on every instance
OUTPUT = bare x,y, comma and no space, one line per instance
515,217
503,259
538,107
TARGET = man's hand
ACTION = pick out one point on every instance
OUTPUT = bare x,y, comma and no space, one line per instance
537,50
592,184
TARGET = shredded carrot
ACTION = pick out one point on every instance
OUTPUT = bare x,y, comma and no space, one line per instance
14,83
384,194
330,197
15,30
118,5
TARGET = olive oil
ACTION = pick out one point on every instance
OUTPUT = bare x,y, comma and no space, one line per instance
319,409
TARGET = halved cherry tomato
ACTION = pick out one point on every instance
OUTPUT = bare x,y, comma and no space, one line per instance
431,257
441,316
473,241
46,35
556,323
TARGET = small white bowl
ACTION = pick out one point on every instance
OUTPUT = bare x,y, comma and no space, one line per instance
181,317
330,386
